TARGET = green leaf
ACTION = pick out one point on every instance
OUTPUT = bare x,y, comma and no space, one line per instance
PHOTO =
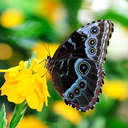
3,121
18,114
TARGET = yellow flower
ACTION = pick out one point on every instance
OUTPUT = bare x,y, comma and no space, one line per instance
29,122
23,83
116,89
67,112
43,50
11,18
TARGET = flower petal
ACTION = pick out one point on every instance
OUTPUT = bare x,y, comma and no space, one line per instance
26,83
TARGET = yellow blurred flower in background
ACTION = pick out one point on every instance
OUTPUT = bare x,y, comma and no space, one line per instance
67,112
43,49
5,51
116,89
26,83
51,9
31,122
28,122
11,18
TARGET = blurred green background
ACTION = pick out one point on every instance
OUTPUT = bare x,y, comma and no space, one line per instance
25,24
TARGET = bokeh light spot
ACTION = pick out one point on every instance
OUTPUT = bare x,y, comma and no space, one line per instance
11,18
5,51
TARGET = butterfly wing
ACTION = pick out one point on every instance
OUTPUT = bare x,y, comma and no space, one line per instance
76,67
78,81
89,41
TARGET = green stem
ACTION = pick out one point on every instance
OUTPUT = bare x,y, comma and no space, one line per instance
18,114
3,120
20,108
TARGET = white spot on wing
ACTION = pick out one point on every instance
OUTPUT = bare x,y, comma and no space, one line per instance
61,65
72,43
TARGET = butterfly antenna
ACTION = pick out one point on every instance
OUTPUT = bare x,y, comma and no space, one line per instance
42,61
46,48
49,50
44,74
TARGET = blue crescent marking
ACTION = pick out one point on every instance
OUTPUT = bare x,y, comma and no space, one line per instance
80,76
78,61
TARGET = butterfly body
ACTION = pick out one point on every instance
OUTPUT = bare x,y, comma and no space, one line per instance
76,67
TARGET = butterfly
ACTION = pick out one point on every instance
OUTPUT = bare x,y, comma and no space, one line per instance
77,65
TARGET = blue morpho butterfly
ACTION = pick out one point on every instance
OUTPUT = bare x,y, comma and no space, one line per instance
76,67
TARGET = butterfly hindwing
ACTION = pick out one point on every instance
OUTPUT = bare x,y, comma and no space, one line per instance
81,93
